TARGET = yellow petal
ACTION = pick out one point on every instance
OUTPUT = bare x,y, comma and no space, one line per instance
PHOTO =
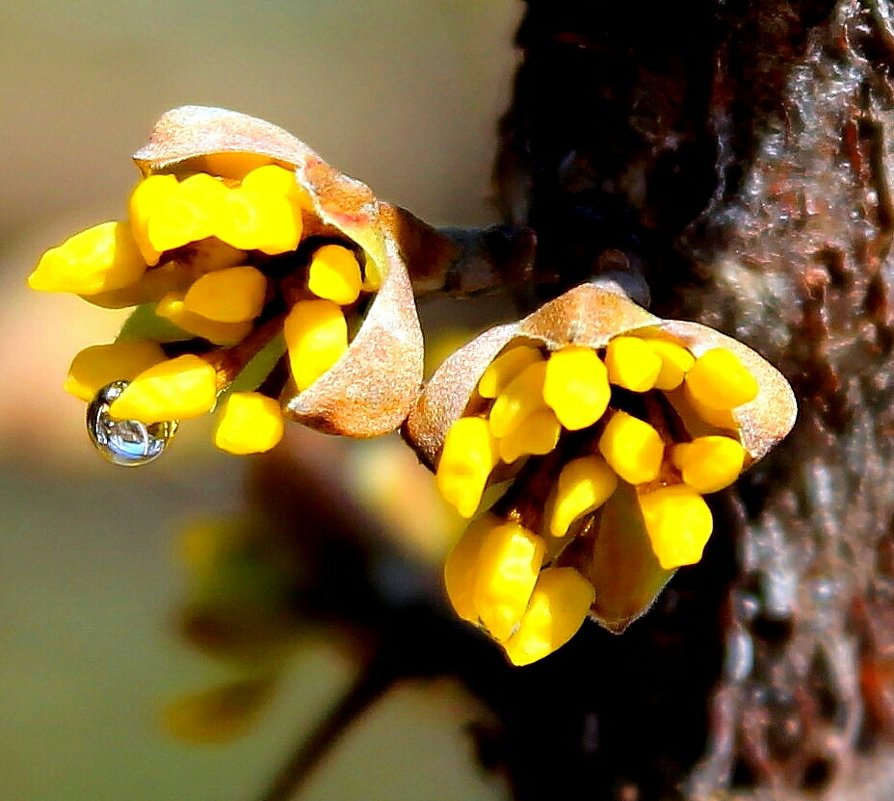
148,196
678,522
334,274
316,334
100,259
709,464
249,423
537,436
582,487
504,368
522,396
557,609
576,386
176,389
99,365
508,563
719,380
233,295
676,361
632,448
468,456
172,307
632,364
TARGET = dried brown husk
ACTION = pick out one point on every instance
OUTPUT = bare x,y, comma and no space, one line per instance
370,389
591,315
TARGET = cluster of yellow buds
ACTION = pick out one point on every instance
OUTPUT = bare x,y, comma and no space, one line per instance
580,422
241,245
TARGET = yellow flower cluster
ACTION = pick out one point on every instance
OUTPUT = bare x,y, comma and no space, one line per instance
644,410
221,264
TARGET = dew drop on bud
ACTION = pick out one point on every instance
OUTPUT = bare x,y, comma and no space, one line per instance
125,442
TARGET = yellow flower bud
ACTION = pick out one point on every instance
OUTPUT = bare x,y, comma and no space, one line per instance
719,380
469,455
173,307
632,448
334,274
522,396
148,196
508,562
100,259
576,386
557,609
538,435
678,522
249,423
188,214
316,334
250,220
176,389
99,365
461,566
632,364
582,487
504,368
676,361
233,295
709,464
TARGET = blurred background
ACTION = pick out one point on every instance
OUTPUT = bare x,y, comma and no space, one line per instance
404,95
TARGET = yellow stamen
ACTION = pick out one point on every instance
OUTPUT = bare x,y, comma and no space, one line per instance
719,380
582,487
100,259
148,196
468,456
176,389
509,560
504,368
334,274
538,435
678,522
632,364
632,448
557,609
249,423
188,214
173,307
96,366
316,334
522,396
461,566
676,361
709,464
576,386
234,295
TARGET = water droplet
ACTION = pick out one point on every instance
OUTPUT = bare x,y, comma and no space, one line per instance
125,442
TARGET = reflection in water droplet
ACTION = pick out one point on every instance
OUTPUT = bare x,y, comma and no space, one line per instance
125,442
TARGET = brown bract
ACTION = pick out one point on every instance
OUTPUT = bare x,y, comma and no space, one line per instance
370,389
591,315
